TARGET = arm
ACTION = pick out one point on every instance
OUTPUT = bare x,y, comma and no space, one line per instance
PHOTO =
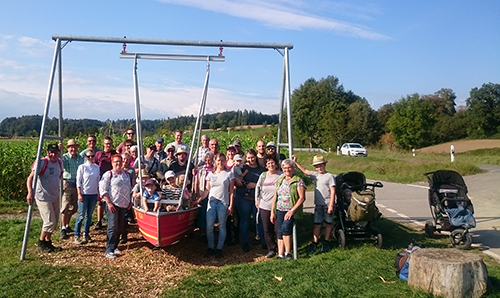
29,185
244,173
301,168
273,209
104,186
231,197
79,179
258,191
332,199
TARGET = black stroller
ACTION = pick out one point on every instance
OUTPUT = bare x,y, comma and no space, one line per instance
451,209
355,209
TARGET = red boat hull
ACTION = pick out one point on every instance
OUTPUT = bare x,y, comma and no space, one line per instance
164,228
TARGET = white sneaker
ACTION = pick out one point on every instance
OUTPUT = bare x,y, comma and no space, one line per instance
117,251
110,255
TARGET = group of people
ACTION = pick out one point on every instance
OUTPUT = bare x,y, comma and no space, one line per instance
239,189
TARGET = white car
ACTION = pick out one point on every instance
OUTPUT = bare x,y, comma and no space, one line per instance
353,149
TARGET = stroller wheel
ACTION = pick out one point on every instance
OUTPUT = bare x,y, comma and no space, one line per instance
430,228
461,239
377,237
341,238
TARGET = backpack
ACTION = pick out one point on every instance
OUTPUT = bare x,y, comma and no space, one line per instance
45,161
402,261
362,207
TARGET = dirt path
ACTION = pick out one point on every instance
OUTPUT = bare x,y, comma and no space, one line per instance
461,146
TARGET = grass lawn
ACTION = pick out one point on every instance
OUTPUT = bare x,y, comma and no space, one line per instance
361,270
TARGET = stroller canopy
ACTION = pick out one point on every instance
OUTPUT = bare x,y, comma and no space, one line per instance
448,177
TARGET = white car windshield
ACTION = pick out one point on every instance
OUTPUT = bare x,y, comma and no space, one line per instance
356,146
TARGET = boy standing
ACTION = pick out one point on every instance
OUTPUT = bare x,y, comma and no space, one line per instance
324,198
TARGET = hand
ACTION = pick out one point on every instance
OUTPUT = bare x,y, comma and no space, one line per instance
251,184
80,198
257,204
30,198
294,158
330,209
111,207
288,215
230,210
272,217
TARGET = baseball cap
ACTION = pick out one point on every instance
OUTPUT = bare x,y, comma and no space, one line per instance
150,182
237,157
271,144
52,147
169,174
237,143
160,140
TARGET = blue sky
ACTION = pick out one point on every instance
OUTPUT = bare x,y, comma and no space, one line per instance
381,50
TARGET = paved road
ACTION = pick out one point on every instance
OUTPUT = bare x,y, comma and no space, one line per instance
408,204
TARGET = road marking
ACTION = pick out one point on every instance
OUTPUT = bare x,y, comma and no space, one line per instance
419,186
417,222
391,210
383,206
402,215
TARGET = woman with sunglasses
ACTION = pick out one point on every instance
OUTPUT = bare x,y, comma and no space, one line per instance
87,186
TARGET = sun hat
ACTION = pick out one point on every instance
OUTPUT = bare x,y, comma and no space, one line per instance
71,142
52,147
237,157
271,144
169,174
144,173
150,182
181,150
318,159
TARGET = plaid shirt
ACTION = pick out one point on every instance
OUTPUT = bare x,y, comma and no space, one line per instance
70,165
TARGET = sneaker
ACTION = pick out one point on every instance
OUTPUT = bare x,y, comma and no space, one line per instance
69,229
117,251
110,255
98,225
245,247
52,247
210,252
312,249
64,234
79,240
218,253
123,240
325,246
280,258
270,255
42,247
87,238
288,256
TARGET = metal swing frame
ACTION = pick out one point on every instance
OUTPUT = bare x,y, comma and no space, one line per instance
62,40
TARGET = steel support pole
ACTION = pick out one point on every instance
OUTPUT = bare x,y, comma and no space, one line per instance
138,126
40,146
59,77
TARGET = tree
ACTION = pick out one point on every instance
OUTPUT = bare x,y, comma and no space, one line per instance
412,122
483,111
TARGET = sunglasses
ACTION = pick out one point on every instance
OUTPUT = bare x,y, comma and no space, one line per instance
130,133
90,141
89,156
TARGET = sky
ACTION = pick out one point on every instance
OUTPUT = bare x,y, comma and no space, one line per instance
380,50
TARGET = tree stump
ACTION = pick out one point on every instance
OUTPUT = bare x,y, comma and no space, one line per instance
448,272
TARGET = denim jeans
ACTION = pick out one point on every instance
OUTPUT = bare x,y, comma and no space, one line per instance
216,209
245,209
283,227
116,225
85,209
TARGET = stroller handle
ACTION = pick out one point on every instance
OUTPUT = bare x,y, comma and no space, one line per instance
346,185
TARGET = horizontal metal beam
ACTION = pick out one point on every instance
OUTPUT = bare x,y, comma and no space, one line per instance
173,57
199,43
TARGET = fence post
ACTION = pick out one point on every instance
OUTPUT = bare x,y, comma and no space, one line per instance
452,153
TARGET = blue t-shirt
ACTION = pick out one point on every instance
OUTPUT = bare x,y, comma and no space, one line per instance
151,199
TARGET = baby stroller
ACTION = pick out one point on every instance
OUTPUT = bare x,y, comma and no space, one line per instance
451,209
355,209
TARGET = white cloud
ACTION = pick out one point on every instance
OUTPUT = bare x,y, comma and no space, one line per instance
35,47
281,14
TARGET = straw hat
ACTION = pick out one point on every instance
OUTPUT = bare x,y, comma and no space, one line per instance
318,159
71,142
144,173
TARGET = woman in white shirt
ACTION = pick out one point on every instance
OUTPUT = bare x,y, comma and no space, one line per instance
219,190
87,186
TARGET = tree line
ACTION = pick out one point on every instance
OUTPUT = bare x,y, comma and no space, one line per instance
326,115
29,126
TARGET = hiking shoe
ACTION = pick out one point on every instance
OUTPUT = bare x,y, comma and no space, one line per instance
245,247
110,255
98,225
87,238
64,234
42,247
79,240
210,252
218,253
280,258
52,247
325,246
288,256
270,254
312,249
69,229
117,251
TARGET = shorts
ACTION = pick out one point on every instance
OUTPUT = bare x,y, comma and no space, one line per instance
49,212
284,227
69,204
321,215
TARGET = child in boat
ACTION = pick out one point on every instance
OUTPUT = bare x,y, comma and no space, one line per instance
136,192
172,191
150,197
